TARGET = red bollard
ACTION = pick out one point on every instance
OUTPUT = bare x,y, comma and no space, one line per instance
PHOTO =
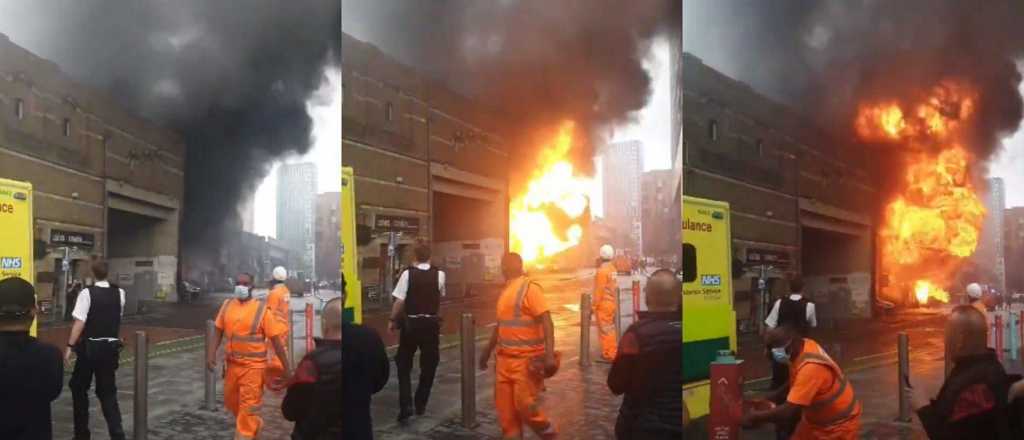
309,328
726,397
636,299
999,336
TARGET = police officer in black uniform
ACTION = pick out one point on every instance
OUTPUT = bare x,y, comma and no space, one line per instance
313,400
415,313
799,313
95,339
647,368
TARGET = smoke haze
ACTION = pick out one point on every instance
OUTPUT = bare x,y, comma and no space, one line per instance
537,62
827,56
231,79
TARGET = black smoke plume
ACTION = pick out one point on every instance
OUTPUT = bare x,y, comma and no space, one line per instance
826,57
231,77
537,62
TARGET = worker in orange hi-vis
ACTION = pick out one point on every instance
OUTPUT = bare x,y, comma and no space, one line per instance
605,305
525,338
277,304
817,390
247,325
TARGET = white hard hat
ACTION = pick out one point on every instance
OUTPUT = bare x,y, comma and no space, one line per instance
280,273
607,252
974,290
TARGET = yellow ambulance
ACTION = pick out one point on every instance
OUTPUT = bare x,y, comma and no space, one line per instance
16,232
353,288
709,321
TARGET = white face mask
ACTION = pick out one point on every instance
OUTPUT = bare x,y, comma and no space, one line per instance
242,292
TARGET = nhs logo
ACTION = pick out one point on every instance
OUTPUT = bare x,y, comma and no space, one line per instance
711,280
10,262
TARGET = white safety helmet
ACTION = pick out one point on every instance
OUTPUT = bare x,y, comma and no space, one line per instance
607,252
974,290
280,273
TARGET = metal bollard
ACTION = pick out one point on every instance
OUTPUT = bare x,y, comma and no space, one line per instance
585,330
468,342
210,381
999,334
141,411
618,312
291,338
636,300
310,346
903,349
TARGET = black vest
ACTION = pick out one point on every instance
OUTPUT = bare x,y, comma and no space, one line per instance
324,420
424,295
794,313
104,319
659,407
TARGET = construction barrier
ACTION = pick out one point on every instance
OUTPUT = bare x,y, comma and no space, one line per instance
1006,332
636,299
310,346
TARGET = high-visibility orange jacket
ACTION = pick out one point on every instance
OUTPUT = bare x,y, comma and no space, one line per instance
277,301
520,329
605,283
247,325
830,409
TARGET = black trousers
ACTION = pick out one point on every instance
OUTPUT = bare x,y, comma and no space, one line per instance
421,334
101,363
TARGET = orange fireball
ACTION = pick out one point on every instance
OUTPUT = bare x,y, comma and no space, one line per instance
934,221
548,216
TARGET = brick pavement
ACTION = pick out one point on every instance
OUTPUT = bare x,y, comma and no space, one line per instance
577,399
176,396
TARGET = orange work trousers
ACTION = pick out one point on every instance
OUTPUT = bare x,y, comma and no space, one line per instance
516,399
243,396
274,370
605,312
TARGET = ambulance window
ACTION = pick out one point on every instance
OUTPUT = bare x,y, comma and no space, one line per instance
689,263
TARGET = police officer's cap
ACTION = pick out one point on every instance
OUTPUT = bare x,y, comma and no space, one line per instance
17,298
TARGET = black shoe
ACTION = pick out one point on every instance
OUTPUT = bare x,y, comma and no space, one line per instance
404,414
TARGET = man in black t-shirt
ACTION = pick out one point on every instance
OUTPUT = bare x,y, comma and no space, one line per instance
31,372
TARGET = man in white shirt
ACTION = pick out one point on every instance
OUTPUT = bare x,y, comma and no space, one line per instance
95,339
415,313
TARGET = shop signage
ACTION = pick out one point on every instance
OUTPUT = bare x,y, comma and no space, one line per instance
769,257
68,238
396,223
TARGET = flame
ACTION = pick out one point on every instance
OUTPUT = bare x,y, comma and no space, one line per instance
932,224
925,289
547,218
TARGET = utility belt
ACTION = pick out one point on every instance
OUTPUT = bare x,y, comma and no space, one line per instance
410,321
100,350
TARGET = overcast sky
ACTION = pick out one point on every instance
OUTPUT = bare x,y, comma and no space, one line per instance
325,109
1009,164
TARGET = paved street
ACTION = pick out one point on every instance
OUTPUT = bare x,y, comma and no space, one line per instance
176,382
577,399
